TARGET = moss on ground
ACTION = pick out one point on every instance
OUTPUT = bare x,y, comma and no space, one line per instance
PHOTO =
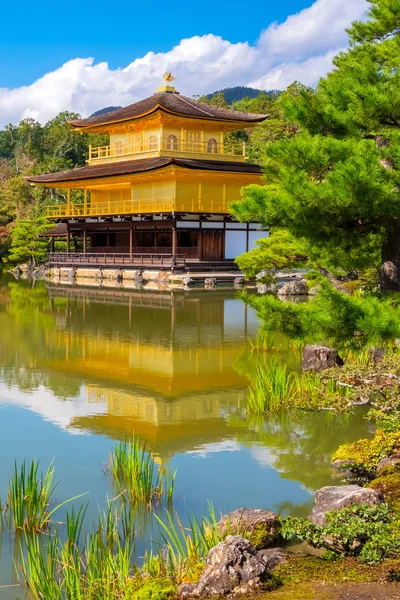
313,569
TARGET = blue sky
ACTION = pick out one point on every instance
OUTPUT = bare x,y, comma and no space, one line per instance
81,57
47,34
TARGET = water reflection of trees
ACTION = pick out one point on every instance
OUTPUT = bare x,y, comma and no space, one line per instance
302,443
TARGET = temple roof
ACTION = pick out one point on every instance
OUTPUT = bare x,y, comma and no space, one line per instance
130,167
171,102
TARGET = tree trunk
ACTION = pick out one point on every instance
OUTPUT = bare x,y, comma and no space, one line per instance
389,273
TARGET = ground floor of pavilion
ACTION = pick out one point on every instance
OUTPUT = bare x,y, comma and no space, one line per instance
166,241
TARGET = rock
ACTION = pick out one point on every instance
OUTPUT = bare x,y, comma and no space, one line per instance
344,468
234,566
41,272
294,288
389,276
318,358
72,273
314,290
351,276
336,497
377,354
267,276
260,526
238,282
387,463
273,557
265,288
210,282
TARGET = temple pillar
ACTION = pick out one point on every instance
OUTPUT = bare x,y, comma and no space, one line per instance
131,241
174,245
84,241
200,245
68,240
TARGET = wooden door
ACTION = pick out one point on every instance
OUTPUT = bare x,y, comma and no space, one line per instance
213,244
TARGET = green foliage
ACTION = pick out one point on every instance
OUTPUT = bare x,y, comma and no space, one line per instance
368,453
332,316
279,251
336,182
389,485
26,245
136,474
358,530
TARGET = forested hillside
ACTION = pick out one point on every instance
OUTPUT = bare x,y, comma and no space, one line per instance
232,94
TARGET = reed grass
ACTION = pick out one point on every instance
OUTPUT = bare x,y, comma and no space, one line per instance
98,567
30,497
272,388
184,547
136,474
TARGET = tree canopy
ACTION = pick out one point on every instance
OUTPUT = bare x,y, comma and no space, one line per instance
335,183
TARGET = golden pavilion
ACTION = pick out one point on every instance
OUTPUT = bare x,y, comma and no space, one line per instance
159,193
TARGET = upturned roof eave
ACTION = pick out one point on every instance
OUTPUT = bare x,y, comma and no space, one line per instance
81,124
117,170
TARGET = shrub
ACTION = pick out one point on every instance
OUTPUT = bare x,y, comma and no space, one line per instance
372,533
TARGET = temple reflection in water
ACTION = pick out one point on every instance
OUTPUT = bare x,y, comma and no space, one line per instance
165,366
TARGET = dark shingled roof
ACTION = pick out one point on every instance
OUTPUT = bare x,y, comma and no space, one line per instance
129,167
175,103
58,231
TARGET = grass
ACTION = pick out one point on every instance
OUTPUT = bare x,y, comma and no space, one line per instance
136,474
184,548
98,567
30,497
274,387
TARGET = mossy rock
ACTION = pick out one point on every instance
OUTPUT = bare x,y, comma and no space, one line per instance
389,485
260,527
262,536
368,453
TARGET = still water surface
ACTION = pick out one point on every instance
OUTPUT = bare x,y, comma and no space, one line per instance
81,368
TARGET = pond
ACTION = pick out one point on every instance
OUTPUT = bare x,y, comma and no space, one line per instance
81,368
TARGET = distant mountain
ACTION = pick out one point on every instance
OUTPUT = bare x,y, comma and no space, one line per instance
103,111
232,94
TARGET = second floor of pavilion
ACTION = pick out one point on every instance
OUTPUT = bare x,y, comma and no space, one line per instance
170,125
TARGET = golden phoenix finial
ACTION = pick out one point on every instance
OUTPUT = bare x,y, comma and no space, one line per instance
168,77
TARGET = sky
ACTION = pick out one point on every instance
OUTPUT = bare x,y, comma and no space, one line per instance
81,56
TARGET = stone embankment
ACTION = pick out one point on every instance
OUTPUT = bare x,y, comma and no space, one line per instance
129,278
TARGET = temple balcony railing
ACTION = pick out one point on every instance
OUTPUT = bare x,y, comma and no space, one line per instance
164,146
137,207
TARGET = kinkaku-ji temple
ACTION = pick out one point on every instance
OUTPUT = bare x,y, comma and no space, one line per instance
159,193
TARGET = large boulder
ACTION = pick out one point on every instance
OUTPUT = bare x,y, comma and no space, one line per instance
336,497
319,358
234,566
294,288
259,526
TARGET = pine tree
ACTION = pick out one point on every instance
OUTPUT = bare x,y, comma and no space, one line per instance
26,243
337,183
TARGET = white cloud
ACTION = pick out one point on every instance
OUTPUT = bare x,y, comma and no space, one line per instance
301,49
